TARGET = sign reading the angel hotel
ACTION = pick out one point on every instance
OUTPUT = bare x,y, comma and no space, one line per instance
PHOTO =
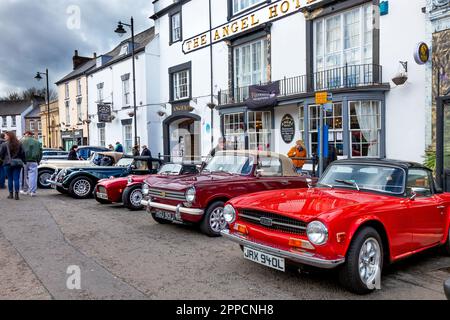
274,11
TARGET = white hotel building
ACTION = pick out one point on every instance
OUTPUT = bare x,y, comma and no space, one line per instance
350,48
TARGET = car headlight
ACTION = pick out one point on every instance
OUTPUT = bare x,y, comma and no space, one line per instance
145,189
190,195
229,213
317,233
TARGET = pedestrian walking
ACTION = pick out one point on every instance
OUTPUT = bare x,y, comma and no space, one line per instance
13,157
73,155
2,168
136,151
146,152
299,151
33,155
119,147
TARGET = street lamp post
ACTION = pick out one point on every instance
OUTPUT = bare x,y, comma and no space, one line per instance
39,78
121,31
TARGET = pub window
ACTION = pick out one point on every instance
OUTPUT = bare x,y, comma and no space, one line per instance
101,137
181,85
259,130
175,27
365,128
334,119
240,5
250,66
128,138
234,129
344,39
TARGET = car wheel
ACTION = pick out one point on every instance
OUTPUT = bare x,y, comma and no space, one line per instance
81,188
61,190
213,222
159,220
361,273
43,176
132,198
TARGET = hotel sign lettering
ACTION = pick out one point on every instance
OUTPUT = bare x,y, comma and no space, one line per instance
274,11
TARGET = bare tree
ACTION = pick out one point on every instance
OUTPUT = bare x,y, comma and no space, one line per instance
28,94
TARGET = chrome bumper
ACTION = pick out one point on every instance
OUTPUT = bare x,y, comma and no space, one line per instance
177,209
301,258
54,183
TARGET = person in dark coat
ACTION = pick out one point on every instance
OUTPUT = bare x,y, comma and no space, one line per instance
146,152
73,155
12,152
119,147
136,151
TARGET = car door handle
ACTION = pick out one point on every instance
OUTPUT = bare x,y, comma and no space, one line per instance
441,207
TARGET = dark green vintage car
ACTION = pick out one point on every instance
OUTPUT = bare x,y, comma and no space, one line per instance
80,182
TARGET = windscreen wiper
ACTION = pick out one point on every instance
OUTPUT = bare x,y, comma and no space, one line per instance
349,183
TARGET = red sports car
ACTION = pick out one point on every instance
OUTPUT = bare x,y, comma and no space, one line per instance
127,190
361,215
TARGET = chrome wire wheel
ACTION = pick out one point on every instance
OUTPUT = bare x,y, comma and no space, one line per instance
82,188
136,197
217,221
369,262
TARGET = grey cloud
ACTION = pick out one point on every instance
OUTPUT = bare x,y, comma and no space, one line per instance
35,35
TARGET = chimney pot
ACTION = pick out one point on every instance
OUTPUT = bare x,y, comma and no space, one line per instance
76,53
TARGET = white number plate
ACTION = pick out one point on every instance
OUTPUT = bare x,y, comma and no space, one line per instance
165,215
265,259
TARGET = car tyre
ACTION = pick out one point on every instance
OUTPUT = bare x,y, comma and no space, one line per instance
213,221
132,197
364,260
81,188
43,175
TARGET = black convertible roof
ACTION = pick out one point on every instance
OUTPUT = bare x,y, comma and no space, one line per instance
386,162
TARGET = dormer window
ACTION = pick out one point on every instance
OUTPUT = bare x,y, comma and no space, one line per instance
124,50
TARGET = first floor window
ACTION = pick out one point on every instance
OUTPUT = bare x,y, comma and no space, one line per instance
67,112
259,130
14,123
175,27
181,85
334,120
234,129
240,5
31,125
66,90
365,128
101,137
39,126
126,92
4,122
128,138
79,112
100,92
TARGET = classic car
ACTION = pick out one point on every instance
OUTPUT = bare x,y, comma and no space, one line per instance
128,190
200,199
48,168
80,182
54,154
85,152
361,215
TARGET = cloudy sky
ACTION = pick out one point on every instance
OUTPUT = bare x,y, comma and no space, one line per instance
39,34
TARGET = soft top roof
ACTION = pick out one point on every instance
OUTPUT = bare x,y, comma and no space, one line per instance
386,162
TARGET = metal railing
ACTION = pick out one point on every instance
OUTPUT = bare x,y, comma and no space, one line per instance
348,76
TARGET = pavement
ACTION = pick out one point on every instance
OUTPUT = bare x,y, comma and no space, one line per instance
126,255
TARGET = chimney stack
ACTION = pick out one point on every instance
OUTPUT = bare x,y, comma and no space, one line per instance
78,60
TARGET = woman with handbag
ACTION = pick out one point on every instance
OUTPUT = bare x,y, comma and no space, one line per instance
13,156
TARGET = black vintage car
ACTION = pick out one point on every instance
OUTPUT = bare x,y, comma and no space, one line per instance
80,182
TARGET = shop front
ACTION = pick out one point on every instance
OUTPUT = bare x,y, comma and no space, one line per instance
71,138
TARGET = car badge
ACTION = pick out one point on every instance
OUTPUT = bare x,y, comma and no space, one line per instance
163,194
266,222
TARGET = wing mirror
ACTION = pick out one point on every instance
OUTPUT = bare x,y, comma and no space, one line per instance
259,173
309,182
413,196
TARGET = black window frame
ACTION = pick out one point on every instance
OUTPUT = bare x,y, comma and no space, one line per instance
171,14
176,69
232,15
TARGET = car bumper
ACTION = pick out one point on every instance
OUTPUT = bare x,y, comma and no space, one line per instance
177,209
297,257
55,184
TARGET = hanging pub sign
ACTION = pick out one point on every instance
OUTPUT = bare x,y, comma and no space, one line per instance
271,12
287,129
263,95
104,113
422,53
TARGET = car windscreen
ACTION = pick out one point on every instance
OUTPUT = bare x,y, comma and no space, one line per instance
384,179
234,164
124,162
170,169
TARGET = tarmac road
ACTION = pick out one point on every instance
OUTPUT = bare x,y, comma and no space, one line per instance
126,255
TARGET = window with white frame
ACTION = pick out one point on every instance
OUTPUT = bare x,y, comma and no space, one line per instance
259,130
39,125
67,112
14,122
334,120
101,137
66,90
79,112
344,39
365,128
100,92
234,130
4,122
181,85
301,118
240,5
175,27
31,125
78,87
128,138
126,92
250,65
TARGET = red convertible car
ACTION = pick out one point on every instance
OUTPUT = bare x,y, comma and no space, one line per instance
200,199
128,190
361,215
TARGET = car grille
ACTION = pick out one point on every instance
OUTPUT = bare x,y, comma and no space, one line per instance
169,195
273,221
